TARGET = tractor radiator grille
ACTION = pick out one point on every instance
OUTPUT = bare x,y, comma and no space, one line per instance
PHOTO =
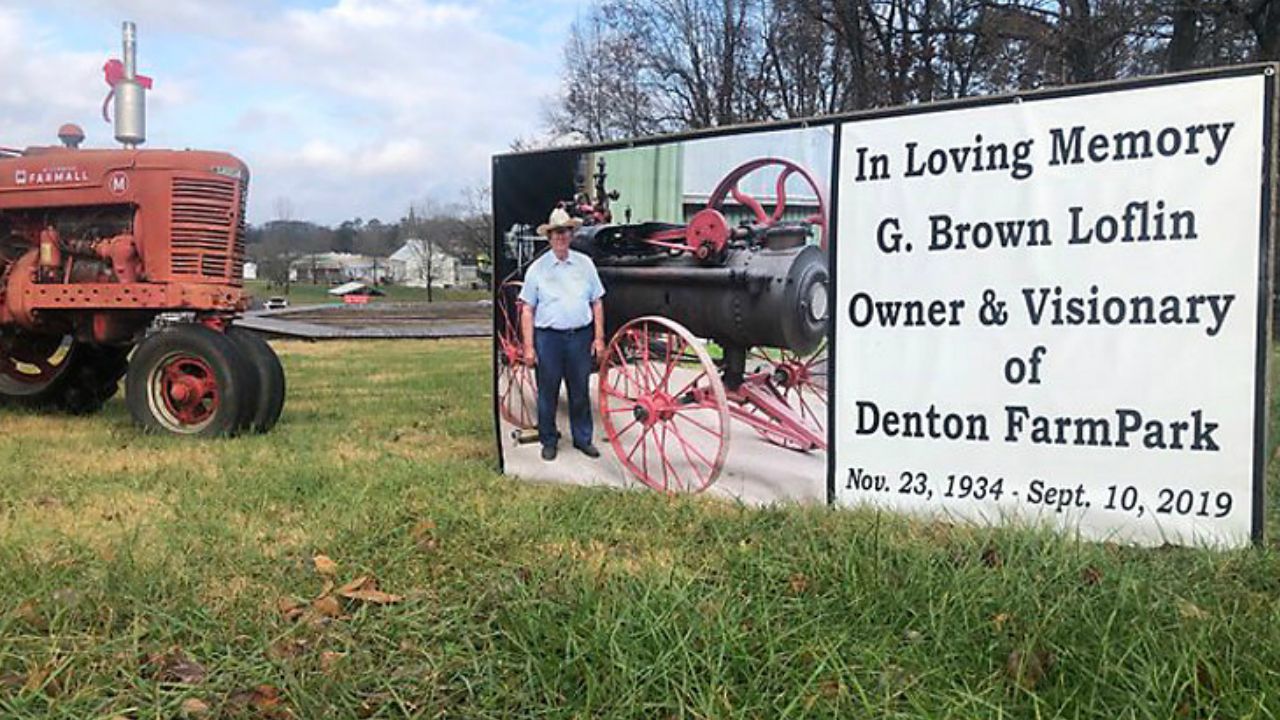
207,229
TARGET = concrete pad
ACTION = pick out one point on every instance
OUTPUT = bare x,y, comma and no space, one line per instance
755,471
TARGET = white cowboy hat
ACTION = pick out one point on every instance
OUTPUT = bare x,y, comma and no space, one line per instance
559,219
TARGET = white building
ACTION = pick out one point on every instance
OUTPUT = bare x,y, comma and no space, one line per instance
412,269
250,271
336,267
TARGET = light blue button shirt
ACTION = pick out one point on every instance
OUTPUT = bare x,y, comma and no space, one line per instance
561,291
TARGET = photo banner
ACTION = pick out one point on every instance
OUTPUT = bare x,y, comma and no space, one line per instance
1054,309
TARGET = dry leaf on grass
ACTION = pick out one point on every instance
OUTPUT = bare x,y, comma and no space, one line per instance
799,583
326,606
424,536
991,558
192,707
329,659
286,648
263,701
289,608
1029,669
1000,620
27,613
325,565
174,666
38,680
1091,575
365,589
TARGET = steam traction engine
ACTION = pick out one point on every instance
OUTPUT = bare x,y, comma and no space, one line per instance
758,290
95,245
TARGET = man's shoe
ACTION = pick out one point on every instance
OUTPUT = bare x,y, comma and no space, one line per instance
548,452
589,450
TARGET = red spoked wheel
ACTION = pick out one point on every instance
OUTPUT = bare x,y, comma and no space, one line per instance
183,392
799,382
517,389
729,187
189,379
666,417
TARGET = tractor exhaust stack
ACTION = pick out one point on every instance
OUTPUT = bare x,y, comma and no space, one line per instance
130,100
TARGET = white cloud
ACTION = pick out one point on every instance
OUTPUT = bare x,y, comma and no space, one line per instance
355,109
44,86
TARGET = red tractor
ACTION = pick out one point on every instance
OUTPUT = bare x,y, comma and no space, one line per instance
128,263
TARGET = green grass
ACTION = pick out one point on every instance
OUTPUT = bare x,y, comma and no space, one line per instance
122,553
309,294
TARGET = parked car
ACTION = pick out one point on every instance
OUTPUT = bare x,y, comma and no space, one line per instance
275,303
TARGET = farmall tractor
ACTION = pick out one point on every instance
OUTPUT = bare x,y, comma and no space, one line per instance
128,263
757,288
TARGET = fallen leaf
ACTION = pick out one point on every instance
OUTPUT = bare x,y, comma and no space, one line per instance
263,700
326,606
1091,575
830,688
1190,611
799,583
913,636
329,659
325,565
365,589
286,648
289,608
1000,620
174,666
191,707
424,535
991,558
1028,669
36,679
27,613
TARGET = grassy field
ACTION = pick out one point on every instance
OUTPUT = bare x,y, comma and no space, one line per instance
150,577
309,294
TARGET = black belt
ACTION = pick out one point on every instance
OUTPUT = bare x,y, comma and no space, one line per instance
564,332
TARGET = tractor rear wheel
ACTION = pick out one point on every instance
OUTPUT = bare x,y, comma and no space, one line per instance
190,380
58,373
271,384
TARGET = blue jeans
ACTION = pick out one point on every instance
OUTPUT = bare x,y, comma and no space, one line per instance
563,356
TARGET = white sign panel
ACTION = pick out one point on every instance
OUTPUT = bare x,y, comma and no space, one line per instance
1050,311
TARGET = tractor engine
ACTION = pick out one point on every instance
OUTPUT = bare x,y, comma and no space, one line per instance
95,244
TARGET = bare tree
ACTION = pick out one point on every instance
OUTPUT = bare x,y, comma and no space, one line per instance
647,66
418,240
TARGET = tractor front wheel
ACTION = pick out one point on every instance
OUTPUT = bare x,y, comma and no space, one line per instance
271,384
190,380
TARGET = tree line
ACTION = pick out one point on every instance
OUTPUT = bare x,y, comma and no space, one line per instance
463,229
643,67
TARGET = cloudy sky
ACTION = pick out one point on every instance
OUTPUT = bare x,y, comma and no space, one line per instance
342,108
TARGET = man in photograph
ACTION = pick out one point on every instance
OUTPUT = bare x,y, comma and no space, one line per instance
563,329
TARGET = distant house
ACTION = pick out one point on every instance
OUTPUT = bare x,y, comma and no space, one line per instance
337,267
445,270
250,271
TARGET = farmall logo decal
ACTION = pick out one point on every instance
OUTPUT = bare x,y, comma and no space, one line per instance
118,183
50,176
